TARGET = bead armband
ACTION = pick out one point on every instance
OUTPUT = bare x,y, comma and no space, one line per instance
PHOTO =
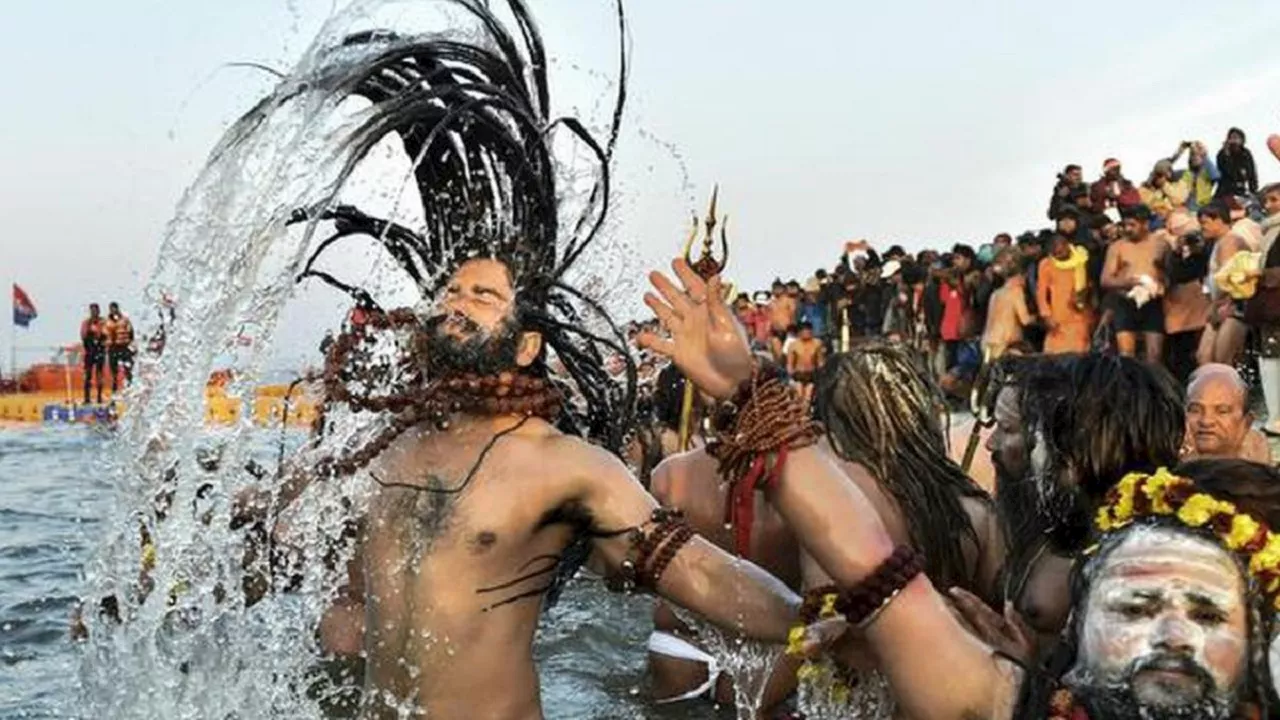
654,545
863,603
755,430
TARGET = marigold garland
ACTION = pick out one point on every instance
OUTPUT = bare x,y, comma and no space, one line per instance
819,604
1164,494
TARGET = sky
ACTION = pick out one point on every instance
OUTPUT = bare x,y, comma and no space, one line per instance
920,123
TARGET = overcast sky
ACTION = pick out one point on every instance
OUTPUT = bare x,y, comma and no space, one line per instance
912,122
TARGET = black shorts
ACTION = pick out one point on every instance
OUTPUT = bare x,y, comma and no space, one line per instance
804,377
95,357
1129,318
120,356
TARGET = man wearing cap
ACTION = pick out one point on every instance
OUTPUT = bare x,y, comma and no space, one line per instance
1134,268
1112,190
812,310
1201,175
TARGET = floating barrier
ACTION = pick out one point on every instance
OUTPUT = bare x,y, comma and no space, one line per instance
266,408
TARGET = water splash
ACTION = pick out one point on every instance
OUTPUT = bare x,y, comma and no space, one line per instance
749,663
190,641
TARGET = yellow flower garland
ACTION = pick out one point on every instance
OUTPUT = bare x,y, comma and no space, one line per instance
1167,495
820,671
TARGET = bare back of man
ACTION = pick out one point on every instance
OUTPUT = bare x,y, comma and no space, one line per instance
692,483
983,559
1007,315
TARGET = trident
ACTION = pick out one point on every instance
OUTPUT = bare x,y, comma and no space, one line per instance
706,267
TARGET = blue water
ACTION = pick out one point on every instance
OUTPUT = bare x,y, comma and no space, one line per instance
590,648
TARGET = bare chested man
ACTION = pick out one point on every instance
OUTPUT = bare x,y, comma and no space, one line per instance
471,525
804,358
782,316
1134,267
1057,417
1224,335
489,470
1007,313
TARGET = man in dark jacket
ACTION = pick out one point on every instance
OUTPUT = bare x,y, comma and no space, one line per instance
1235,163
1113,189
1070,186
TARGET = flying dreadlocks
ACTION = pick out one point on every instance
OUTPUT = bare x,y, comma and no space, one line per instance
475,121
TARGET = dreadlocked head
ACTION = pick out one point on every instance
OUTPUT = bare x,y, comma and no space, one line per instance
881,411
474,118
1086,421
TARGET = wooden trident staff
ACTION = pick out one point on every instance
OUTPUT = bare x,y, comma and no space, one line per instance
707,267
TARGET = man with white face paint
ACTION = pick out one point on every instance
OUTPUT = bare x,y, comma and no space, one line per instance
1164,629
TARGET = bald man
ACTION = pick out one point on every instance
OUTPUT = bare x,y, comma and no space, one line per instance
1219,424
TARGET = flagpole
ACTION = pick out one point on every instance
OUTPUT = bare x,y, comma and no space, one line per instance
13,346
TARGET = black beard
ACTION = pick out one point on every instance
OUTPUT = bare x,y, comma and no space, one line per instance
1116,700
479,352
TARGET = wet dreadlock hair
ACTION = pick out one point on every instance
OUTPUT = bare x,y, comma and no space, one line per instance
881,411
1039,684
1088,421
474,117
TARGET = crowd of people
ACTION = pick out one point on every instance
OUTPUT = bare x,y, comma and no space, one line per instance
1177,269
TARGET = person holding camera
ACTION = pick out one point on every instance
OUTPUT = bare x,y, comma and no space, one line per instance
1070,183
1235,162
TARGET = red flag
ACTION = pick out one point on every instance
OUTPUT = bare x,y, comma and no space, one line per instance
24,311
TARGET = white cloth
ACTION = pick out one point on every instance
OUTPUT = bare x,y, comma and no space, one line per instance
662,643
1146,290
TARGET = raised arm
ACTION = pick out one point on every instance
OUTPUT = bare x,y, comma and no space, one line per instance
732,593
936,669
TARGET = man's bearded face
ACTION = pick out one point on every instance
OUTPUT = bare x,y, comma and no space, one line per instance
1006,443
457,345
476,330
1165,631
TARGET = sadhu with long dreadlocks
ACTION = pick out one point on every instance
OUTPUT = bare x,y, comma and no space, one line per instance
485,494
883,419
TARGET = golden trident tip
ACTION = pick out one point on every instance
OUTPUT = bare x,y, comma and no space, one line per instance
707,266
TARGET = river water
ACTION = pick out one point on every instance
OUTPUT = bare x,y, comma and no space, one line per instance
590,648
